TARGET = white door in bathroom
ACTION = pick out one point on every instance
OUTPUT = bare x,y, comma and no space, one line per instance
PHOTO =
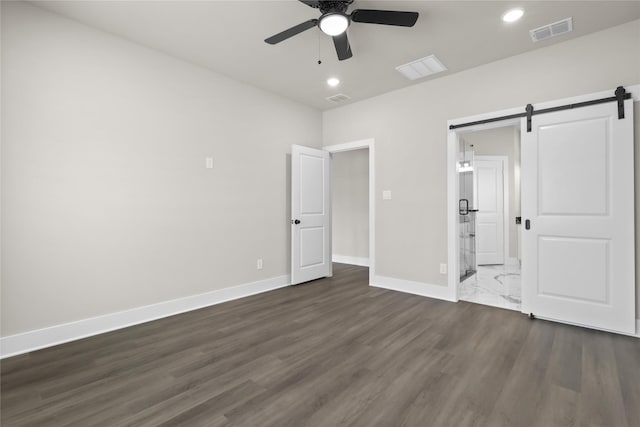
489,195
578,212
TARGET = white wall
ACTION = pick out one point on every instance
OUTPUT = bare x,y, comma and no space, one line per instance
106,202
351,203
410,129
500,142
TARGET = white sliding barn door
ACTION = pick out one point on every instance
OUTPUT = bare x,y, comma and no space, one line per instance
578,194
489,195
310,214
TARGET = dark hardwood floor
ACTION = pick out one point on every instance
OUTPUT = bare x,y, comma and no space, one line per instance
327,353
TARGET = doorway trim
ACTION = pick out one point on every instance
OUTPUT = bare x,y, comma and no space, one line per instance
453,136
368,143
506,201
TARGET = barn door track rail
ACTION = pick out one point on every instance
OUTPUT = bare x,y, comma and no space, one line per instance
620,95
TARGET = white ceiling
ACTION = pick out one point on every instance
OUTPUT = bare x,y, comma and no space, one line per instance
227,37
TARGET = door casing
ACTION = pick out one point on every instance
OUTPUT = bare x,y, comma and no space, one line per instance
358,145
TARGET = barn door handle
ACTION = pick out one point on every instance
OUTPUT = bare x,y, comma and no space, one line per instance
527,224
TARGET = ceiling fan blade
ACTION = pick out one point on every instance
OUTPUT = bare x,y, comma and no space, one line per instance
343,48
311,3
292,31
385,17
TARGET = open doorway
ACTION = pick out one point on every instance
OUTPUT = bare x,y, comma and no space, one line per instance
489,217
353,203
350,207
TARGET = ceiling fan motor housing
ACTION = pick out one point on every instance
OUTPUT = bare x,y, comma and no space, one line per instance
334,6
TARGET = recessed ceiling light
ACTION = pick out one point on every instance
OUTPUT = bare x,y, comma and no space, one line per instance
333,24
333,82
513,15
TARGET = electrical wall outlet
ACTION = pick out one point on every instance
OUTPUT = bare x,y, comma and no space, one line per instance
259,264
386,195
443,268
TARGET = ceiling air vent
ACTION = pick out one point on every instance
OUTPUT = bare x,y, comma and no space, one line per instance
422,68
551,30
338,98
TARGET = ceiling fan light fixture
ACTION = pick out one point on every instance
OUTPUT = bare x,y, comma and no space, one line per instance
334,21
333,24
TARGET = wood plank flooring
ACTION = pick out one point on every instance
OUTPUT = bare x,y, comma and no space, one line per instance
328,353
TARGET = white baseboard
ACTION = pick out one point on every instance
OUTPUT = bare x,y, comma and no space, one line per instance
353,260
415,288
41,338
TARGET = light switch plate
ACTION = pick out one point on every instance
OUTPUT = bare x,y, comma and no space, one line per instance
209,163
443,268
386,195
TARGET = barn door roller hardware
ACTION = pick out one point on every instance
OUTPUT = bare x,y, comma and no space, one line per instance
529,110
620,95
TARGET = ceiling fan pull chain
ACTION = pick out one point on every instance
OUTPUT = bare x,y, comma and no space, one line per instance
319,42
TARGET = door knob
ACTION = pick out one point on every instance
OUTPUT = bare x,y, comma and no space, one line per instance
295,221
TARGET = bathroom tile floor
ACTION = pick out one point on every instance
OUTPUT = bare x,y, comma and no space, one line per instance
495,285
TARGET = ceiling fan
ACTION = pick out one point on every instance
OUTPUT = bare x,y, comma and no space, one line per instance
335,20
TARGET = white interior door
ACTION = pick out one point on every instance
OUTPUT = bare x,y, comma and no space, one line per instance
578,194
310,214
489,195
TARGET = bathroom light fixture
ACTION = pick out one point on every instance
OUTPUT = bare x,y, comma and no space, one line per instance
512,15
333,24
333,82
465,165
